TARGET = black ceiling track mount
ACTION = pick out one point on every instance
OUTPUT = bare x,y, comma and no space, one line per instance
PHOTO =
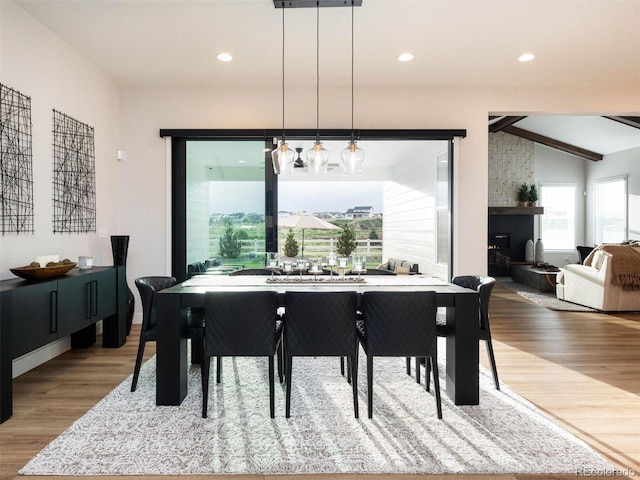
315,3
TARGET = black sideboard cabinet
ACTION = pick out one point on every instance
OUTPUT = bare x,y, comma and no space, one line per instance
36,313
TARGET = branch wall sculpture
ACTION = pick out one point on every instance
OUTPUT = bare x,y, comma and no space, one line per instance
74,176
16,162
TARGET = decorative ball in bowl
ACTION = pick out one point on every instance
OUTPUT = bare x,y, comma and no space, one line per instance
34,271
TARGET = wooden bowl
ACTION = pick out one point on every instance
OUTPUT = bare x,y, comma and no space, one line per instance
29,273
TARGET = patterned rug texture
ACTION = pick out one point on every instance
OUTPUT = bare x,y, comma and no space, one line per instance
547,300
127,434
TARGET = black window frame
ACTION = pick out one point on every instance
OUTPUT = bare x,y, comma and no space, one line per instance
180,137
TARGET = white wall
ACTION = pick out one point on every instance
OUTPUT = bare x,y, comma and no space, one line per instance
615,164
554,166
40,65
409,206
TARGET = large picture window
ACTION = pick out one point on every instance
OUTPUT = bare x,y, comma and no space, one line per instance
611,210
558,224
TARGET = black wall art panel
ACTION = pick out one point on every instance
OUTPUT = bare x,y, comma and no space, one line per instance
16,162
74,176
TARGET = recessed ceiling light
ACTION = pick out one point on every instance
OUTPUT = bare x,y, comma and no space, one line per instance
405,57
526,57
224,57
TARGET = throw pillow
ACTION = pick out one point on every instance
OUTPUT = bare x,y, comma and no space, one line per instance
383,266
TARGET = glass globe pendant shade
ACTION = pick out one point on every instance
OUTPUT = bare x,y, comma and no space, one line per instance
282,159
352,159
317,159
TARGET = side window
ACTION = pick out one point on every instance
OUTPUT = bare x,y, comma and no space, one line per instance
558,224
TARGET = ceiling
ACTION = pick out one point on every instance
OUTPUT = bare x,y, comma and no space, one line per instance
455,42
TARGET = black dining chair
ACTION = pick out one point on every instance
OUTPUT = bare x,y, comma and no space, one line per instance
484,286
399,324
148,287
241,324
321,324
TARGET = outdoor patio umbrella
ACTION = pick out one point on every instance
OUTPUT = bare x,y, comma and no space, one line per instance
304,221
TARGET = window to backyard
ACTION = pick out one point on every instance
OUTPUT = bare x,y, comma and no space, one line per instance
611,210
558,224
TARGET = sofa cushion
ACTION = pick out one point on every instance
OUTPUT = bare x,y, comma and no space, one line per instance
404,268
598,259
393,263
383,266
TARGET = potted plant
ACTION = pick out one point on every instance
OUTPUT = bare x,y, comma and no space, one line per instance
346,241
290,245
523,195
533,195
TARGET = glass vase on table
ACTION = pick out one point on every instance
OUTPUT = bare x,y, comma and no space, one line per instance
332,260
272,262
358,266
315,268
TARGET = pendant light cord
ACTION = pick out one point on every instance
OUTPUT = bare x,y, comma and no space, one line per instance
283,75
352,48
317,71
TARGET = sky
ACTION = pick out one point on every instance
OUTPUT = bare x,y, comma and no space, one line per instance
230,197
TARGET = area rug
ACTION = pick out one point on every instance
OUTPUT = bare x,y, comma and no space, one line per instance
547,300
126,434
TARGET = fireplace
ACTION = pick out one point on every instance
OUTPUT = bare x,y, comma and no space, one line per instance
509,230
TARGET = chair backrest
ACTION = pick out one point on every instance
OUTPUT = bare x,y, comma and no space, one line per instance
240,323
320,323
483,285
148,287
253,271
400,323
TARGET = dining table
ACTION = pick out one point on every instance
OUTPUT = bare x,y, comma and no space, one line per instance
460,304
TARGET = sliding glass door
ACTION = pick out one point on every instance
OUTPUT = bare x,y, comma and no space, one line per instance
225,202
228,203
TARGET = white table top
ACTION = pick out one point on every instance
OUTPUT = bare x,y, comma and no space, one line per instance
203,283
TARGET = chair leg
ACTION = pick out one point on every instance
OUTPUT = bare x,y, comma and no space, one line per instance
354,384
370,385
197,351
136,370
427,375
436,384
288,377
280,357
492,361
408,365
348,369
342,366
417,370
271,387
219,369
204,373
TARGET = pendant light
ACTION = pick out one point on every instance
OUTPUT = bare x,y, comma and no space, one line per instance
352,156
317,156
283,156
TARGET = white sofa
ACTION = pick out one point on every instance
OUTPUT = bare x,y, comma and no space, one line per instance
593,285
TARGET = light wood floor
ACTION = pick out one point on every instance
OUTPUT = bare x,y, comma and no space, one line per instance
583,369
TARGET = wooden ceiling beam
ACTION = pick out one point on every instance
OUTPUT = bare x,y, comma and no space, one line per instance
631,121
504,123
550,142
